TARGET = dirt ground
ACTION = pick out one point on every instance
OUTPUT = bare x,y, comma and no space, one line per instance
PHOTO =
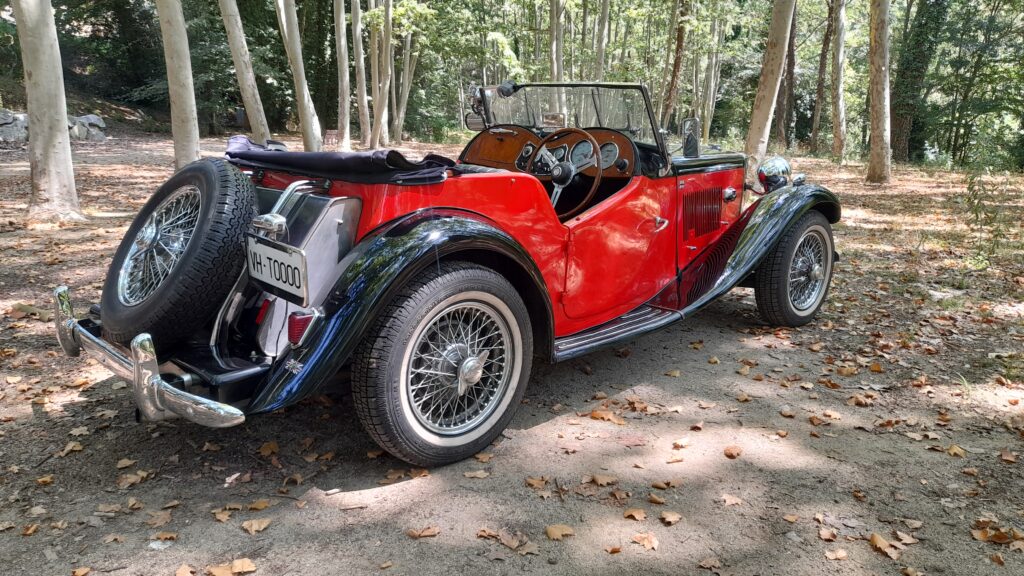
886,438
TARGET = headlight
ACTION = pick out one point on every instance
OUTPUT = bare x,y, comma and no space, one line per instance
773,173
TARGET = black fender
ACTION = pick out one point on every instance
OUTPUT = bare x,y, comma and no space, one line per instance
769,220
374,271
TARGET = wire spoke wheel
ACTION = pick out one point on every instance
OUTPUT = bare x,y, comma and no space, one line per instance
459,366
807,272
159,245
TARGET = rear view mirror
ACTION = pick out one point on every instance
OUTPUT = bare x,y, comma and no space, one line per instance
475,122
690,135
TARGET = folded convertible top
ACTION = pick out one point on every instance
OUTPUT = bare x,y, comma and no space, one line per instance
371,166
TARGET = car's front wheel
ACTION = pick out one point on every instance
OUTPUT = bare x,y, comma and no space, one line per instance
793,280
445,366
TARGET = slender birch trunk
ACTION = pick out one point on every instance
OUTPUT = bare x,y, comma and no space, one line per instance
819,95
838,101
601,41
362,106
243,70
408,72
344,88
880,158
54,196
677,62
312,139
768,84
379,136
184,118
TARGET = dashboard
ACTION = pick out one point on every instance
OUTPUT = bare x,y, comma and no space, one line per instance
510,147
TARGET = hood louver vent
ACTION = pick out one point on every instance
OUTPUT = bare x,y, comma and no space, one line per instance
702,212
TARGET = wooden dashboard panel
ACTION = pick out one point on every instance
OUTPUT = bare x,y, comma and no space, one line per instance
498,146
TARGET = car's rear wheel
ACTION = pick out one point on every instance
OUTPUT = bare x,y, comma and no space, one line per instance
444,368
180,256
793,280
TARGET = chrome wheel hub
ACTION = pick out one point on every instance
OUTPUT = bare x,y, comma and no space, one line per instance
460,367
159,245
808,271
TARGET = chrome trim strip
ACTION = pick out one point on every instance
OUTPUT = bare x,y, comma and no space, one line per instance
644,319
156,398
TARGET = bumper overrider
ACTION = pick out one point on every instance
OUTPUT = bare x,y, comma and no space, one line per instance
155,397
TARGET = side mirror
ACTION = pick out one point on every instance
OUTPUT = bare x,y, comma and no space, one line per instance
773,173
690,135
475,121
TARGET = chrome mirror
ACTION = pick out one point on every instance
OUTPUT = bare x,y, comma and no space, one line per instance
773,173
690,133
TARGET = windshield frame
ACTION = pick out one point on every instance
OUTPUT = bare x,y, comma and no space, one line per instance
486,93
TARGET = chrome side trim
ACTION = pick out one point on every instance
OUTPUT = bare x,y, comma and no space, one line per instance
644,319
156,398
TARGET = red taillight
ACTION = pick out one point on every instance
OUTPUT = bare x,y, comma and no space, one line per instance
263,311
298,323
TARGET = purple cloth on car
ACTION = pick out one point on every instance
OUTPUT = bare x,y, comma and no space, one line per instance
372,166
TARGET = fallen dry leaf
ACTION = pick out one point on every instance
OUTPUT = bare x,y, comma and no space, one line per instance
258,505
838,554
255,525
269,448
45,480
537,483
791,518
185,570
646,539
827,534
81,571
477,474
428,532
603,479
733,452
730,500
669,518
607,415
558,531
635,513
956,451
612,549
1008,457
483,457
163,536
158,519
882,545
125,463
655,499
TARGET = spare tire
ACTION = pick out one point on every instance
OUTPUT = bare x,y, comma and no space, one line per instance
181,255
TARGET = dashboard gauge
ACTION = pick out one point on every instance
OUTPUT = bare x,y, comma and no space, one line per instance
559,153
582,151
524,157
609,154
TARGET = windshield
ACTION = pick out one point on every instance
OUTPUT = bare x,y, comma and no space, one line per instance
622,108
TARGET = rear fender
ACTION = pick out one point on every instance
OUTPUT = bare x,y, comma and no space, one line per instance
770,219
373,273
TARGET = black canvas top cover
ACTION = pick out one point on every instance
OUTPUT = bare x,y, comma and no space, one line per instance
371,166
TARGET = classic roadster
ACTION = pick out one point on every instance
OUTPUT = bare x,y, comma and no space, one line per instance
248,283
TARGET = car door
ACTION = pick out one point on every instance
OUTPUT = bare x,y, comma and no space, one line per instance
622,252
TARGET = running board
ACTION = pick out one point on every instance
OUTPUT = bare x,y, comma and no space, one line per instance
626,327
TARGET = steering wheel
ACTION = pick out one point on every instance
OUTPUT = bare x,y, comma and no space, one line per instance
562,173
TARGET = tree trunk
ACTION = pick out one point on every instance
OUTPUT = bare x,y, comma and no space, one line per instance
344,87
819,94
880,159
312,140
918,49
243,70
677,63
601,41
409,58
768,84
54,196
362,106
711,77
786,110
838,102
379,136
184,119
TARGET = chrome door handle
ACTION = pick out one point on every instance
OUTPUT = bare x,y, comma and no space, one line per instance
660,223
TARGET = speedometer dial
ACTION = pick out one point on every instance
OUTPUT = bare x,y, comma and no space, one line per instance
582,151
609,154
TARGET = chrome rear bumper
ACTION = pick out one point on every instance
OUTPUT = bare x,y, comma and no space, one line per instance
156,398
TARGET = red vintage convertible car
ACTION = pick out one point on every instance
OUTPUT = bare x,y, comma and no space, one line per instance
246,284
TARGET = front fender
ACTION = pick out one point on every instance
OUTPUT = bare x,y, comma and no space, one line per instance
374,271
770,219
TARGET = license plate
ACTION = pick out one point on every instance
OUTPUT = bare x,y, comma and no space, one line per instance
278,266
